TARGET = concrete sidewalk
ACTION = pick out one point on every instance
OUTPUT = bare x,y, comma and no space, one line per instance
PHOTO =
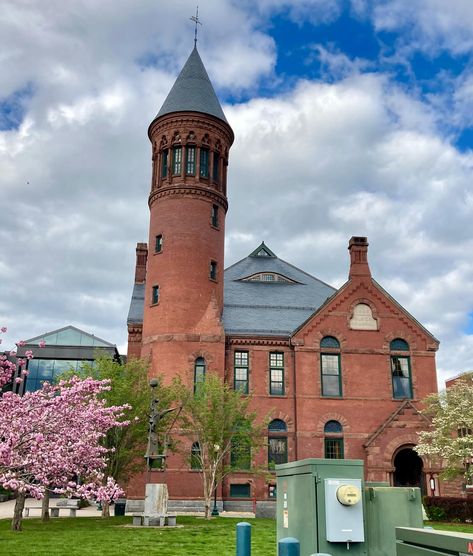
6,509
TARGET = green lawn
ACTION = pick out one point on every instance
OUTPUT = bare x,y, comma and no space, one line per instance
96,536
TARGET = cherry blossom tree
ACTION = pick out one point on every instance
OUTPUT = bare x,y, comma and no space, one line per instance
51,439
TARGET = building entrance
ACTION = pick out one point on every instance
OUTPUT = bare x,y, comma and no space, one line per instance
408,469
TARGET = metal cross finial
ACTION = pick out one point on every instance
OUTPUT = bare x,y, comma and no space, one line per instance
195,19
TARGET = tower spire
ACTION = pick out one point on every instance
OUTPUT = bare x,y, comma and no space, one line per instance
196,20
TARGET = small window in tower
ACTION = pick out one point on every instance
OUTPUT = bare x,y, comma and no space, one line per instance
215,216
155,295
190,160
204,163
164,163
159,244
216,173
213,270
176,161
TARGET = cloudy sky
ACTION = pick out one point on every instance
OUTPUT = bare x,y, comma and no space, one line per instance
351,117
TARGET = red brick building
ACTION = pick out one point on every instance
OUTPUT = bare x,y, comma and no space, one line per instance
342,370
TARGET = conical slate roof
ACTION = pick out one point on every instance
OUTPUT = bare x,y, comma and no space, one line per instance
193,91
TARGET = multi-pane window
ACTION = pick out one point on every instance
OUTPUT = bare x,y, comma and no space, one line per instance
241,371
214,216
176,161
204,163
190,160
333,441
195,457
164,163
401,370
199,373
330,367
158,246
240,491
333,448
277,442
276,374
240,455
213,270
216,167
155,295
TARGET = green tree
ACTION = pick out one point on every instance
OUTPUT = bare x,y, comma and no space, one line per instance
129,385
218,422
450,439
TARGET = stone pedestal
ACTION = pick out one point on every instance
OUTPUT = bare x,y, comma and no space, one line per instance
156,499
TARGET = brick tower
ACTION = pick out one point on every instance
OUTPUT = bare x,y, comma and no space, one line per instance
183,299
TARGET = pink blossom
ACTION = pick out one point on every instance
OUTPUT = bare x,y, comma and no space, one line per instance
42,343
21,343
18,380
29,354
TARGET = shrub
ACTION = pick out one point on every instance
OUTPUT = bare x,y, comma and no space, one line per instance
445,508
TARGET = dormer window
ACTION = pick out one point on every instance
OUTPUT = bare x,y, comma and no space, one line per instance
269,277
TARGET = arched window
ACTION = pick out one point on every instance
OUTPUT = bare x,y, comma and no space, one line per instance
199,373
333,441
277,443
401,370
330,367
195,457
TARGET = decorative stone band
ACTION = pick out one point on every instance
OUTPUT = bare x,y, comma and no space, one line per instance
190,191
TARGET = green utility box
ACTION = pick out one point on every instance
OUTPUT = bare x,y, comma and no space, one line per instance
325,505
309,510
427,542
385,509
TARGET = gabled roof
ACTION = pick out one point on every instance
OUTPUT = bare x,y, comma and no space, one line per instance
69,336
269,308
193,91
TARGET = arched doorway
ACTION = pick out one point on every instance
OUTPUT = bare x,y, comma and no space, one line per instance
408,467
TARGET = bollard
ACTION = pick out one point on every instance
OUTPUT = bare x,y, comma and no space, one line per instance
243,539
289,547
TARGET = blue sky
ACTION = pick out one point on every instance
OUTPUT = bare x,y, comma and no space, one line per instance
351,117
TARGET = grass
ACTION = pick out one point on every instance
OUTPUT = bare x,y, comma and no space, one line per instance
459,527
97,536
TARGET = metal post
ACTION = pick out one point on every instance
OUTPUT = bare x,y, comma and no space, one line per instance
243,539
215,509
289,547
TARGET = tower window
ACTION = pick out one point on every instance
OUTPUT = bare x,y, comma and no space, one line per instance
276,374
155,295
199,373
216,167
213,270
176,161
215,216
204,163
190,161
159,244
164,163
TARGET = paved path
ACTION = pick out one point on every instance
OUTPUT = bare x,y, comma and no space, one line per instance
6,509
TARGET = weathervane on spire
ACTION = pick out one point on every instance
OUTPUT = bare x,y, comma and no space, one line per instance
196,20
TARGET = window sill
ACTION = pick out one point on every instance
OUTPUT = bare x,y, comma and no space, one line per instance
154,304
284,396
213,280
215,227
158,252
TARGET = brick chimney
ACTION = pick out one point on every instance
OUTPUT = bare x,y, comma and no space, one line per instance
358,247
141,259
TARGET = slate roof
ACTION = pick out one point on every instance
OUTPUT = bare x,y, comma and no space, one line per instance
269,308
135,313
193,91
260,308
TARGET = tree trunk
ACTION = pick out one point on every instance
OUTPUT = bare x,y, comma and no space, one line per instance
207,508
105,509
18,512
45,507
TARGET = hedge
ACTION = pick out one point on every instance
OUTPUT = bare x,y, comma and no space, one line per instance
446,508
